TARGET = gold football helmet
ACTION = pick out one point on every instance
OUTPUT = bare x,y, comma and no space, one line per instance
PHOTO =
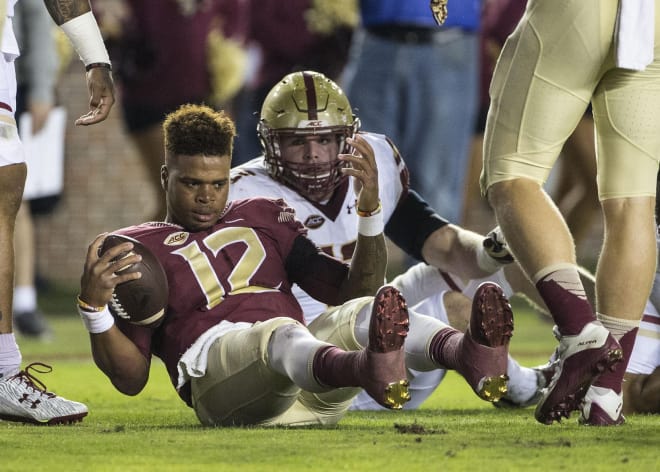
306,103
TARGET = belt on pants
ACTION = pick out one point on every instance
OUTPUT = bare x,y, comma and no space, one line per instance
407,34
416,34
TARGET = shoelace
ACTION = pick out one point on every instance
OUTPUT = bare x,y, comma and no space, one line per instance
34,383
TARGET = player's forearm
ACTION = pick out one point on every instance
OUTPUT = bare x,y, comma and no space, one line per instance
64,10
454,249
368,268
641,393
120,360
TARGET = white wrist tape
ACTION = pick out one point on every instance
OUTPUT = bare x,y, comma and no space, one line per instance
98,321
83,32
486,262
371,225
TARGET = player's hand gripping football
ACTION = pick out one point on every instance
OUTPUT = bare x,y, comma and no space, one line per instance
363,168
496,247
99,278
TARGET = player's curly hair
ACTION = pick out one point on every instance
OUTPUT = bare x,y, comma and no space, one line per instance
199,129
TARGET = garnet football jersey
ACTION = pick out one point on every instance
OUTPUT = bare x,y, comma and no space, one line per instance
233,271
333,225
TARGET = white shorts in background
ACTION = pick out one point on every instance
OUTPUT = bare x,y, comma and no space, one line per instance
645,357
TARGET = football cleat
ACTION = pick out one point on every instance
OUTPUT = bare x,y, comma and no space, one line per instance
24,399
485,345
582,358
384,377
601,407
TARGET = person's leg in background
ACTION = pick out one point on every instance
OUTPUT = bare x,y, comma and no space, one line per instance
149,143
626,112
28,319
576,193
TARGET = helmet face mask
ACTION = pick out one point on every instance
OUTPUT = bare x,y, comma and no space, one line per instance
306,104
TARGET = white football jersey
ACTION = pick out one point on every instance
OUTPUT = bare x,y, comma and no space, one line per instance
8,43
333,226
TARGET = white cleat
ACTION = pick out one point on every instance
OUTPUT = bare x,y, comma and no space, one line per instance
23,398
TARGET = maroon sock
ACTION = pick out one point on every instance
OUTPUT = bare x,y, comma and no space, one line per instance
445,348
334,367
613,379
563,293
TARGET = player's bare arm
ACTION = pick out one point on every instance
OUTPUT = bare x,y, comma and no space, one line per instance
65,10
641,393
116,355
78,23
453,249
369,263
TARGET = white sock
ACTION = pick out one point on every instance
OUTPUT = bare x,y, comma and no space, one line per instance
617,326
25,298
10,355
291,352
523,382
419,282
362,320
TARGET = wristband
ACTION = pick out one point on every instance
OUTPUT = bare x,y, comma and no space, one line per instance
97,322
370,213
371,225
83,32
87,307
94,65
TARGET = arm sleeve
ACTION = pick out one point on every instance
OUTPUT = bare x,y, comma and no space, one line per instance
318,274
411,223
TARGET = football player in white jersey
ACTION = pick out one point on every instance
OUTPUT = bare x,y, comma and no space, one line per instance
306,122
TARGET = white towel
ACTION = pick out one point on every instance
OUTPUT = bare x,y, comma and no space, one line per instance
194,361
635,33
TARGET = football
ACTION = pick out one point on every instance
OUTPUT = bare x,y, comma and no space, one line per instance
141,301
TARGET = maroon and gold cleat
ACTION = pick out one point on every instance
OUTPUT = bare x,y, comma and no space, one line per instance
582,359
485,345
384,377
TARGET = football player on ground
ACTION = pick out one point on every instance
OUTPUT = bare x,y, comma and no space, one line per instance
641,386
641,382
233,338
306,123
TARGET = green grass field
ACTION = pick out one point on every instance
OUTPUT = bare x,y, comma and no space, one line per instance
453,431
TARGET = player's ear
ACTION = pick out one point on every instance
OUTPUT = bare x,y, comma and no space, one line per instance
164,176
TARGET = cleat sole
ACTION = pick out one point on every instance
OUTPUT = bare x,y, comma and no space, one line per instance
397,394
492,389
